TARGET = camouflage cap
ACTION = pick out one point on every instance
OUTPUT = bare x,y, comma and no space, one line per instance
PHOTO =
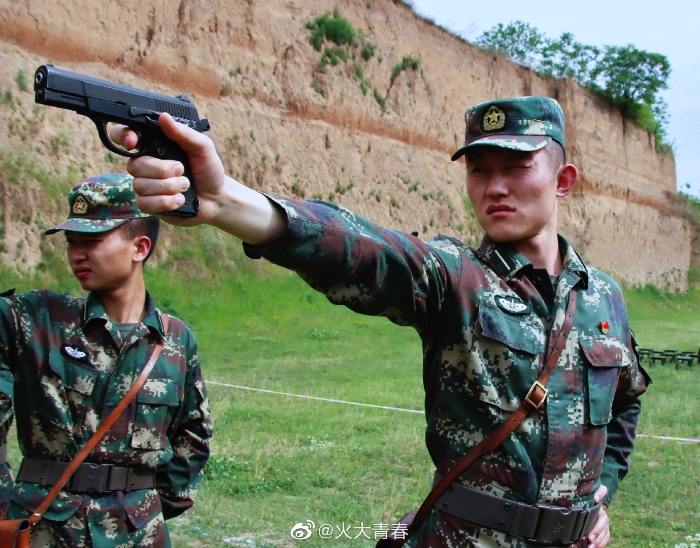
99,204
518,123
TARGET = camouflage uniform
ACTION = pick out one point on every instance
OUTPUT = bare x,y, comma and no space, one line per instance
483,316
72,365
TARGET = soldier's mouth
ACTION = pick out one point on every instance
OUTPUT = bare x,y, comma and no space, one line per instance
499,209
81,272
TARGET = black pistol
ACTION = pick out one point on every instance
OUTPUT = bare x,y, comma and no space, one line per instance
103,102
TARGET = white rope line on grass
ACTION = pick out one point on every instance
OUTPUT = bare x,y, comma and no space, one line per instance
332,400
687,440
315,398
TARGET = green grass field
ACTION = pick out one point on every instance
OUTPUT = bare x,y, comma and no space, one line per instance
279,460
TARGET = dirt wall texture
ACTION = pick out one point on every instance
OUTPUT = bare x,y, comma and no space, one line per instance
361,132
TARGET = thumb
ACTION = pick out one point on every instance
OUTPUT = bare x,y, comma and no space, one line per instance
191,141
600,494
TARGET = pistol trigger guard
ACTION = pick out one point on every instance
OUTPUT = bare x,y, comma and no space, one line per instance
102,132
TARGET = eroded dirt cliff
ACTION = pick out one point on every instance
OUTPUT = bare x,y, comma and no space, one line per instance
351,132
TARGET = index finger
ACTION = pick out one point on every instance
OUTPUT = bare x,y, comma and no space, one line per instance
123,136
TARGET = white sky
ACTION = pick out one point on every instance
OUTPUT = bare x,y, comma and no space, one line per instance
671,28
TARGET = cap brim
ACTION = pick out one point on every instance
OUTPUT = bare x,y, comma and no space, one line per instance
526,143
86,225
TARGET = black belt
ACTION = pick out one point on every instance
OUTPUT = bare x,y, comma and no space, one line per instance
3,454
88,478
538,523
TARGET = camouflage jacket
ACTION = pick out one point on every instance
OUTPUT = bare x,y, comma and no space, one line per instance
72,368
484,327
6,414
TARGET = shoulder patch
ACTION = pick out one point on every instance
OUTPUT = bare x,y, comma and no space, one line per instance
511,304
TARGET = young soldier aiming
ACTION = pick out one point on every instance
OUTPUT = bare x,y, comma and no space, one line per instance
484,317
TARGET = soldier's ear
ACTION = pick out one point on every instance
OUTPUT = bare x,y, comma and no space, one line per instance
142,247
566,179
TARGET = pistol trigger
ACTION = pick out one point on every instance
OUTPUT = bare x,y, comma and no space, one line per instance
101,125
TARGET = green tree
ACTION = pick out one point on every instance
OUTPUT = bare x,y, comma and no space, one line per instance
517,41
566,58
630,77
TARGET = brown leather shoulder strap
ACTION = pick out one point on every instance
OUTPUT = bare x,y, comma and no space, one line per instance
534,399
102,430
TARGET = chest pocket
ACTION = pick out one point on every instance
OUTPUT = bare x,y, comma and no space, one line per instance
67,393
605,356
508,348
156,403
523,332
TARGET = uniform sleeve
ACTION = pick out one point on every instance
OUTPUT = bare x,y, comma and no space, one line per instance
19,316
6,415
177,482
6,393
632,383
356,263
7,327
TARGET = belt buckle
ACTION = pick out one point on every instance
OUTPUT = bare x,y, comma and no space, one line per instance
555,525
91,478
536,405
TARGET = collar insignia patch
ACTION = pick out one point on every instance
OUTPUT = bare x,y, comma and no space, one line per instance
80,206
74,352
604,327
512,305
494,119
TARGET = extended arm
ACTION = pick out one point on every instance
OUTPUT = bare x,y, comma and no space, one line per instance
351,260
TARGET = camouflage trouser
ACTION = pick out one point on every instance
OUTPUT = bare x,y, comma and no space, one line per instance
74,533
442,530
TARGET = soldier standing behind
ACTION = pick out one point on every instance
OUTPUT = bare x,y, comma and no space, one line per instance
73,359
485,317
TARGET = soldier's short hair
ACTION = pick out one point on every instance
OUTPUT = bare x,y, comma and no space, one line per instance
556,154
144,226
